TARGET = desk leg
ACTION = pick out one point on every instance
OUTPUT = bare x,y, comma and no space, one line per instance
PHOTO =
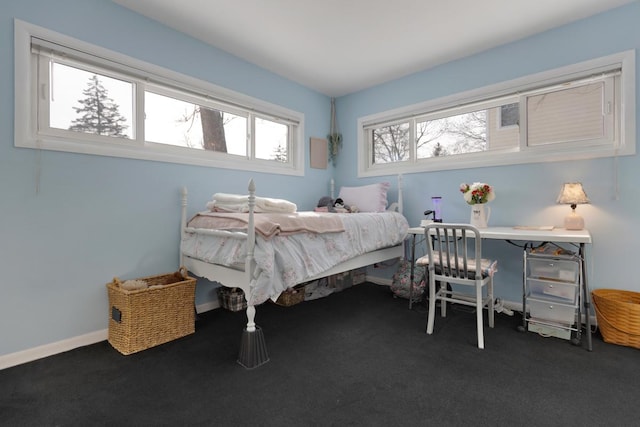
411,273
587,296
523,327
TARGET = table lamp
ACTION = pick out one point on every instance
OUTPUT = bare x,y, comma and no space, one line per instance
573,194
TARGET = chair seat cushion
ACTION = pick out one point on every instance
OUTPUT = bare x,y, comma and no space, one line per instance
489,267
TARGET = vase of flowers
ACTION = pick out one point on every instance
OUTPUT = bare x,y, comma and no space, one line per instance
478,195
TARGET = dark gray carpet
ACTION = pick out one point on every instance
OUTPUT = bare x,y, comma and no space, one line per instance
358,357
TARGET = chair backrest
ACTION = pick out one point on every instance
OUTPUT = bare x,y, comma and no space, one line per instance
455,250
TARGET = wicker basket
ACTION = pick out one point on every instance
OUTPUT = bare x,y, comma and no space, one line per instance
144,318
232,298
359,275
618,314
341,281
291,297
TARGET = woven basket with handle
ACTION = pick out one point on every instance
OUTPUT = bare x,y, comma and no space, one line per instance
291,296
618,314
143,318
232,298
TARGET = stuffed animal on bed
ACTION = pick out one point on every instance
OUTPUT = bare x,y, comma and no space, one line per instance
340,207
327,204
324,204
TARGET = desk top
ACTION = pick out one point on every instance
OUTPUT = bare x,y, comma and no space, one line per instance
559,235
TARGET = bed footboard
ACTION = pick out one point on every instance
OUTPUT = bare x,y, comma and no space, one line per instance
253,350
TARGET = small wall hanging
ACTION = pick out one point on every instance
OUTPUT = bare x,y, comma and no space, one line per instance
334,137
318,153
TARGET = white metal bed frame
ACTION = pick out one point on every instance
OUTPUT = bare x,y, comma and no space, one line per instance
253,350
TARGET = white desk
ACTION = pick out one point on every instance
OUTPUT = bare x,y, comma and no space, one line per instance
557,235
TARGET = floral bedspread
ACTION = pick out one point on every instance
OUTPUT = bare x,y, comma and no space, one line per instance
286,260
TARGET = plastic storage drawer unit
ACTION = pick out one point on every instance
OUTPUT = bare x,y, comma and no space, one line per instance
543,289
552,311
553,269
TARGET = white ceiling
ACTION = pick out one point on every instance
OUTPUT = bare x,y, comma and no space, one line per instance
338,47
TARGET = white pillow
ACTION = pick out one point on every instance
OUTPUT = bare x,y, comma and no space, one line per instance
367,198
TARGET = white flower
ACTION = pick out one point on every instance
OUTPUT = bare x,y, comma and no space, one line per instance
477,193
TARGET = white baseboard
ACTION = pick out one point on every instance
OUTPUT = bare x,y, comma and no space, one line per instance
511,305
208,306
378,280
35,353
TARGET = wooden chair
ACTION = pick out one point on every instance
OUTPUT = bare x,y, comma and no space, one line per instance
454,257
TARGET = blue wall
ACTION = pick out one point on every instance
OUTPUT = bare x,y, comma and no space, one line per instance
526,194
94,217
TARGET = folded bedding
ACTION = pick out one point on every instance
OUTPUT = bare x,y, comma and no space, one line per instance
225,202
270,224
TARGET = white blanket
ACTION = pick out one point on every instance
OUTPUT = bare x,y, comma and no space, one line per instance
224,202
286,260
270,224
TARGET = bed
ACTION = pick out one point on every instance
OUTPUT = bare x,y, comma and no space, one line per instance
264,252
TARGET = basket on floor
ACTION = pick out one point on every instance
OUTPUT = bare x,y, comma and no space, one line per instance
291,297
618,314
144,318
232,298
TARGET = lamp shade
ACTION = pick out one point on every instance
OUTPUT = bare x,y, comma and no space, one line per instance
572,193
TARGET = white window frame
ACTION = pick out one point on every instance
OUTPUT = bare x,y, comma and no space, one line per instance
27,134
622,142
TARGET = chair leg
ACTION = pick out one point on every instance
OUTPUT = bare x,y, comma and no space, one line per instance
479,310
432,304
444,287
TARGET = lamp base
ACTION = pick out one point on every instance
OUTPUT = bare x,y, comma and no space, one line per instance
573,221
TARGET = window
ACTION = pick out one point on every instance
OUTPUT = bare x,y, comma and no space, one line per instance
188,123
81,98
582,111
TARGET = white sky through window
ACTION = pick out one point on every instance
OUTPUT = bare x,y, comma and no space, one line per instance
162,114
67,85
